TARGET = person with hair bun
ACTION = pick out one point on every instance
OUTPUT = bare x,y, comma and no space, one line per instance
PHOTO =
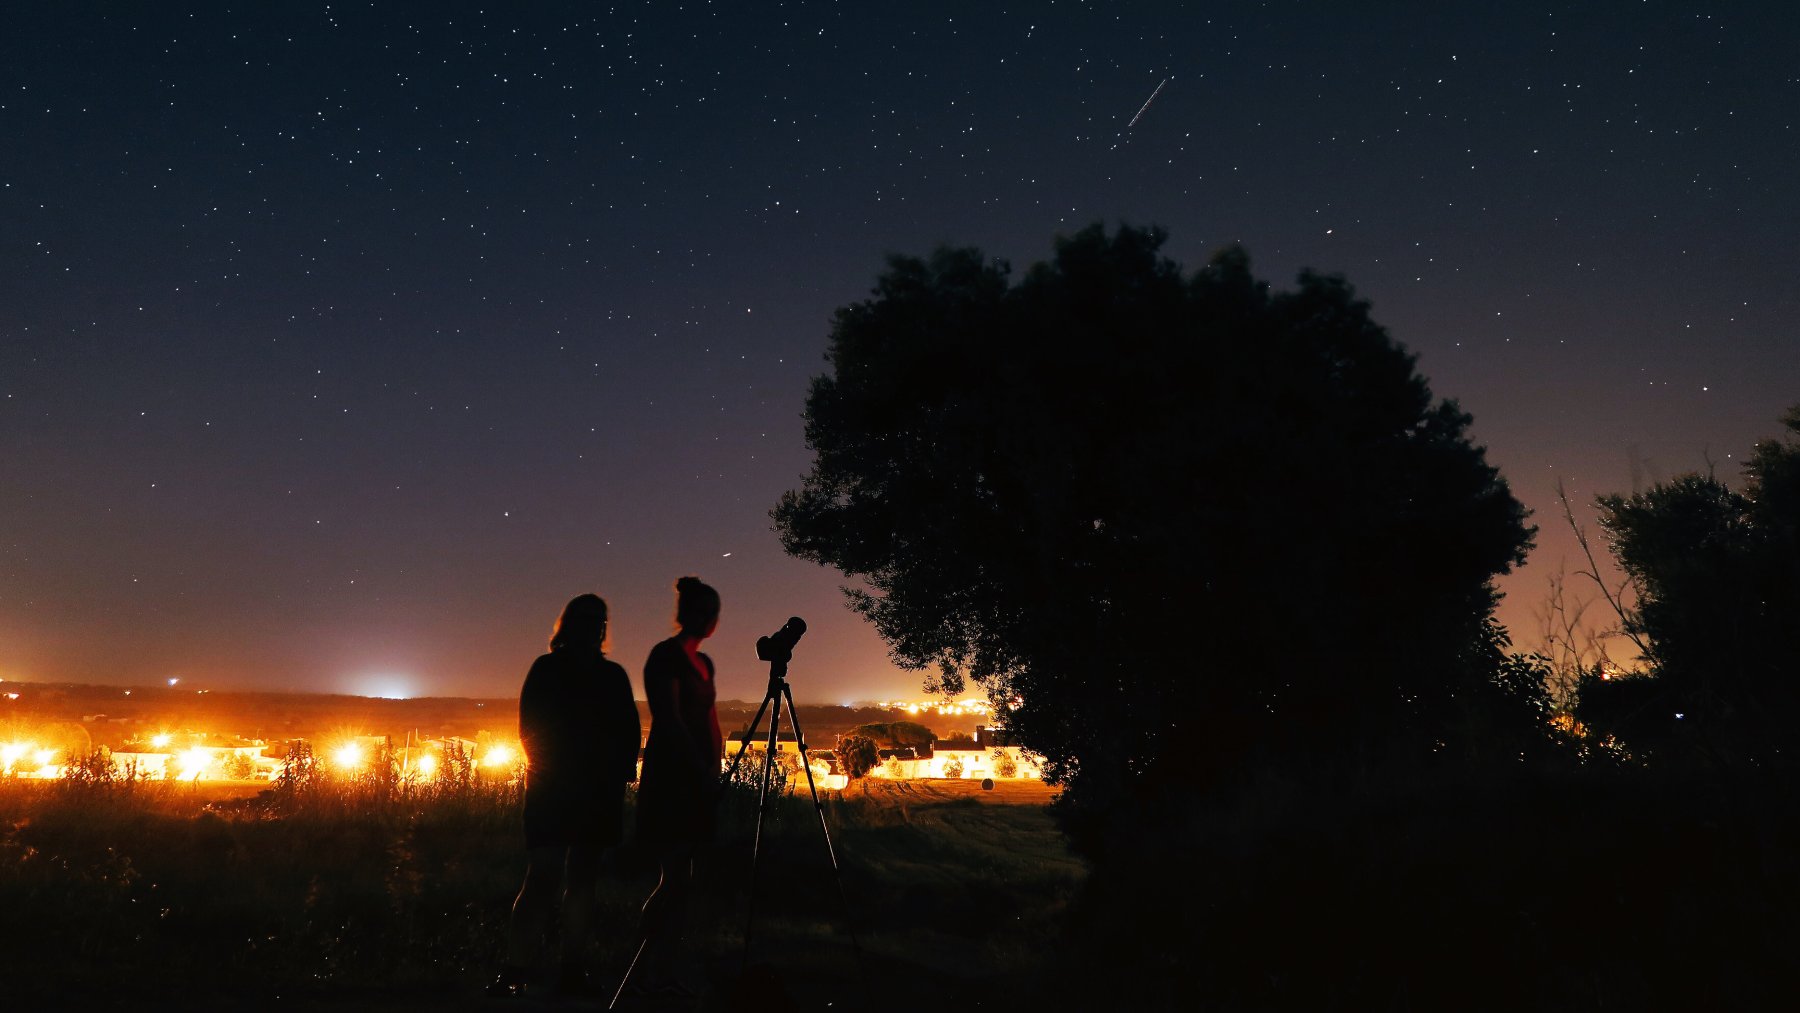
579,726
678,791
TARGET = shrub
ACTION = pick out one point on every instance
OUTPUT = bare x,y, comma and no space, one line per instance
1004,764
859,755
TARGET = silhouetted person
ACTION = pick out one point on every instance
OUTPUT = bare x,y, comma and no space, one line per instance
579,726
678,792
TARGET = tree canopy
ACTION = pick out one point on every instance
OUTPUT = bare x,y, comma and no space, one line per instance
897,735
1170,522
858,754
1717,575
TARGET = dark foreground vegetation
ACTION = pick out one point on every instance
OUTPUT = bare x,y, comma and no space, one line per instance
1594,890
322,894
1586,890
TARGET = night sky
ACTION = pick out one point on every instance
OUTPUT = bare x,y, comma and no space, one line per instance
341,344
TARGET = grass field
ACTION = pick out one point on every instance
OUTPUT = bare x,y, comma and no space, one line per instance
1569,891
169,896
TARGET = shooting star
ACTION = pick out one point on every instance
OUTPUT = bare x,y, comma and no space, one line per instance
1146,106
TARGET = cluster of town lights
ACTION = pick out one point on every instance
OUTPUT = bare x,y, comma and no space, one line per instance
970,707
28,759
21,757
196,762
352,758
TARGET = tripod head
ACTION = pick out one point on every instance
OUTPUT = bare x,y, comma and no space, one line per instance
778,647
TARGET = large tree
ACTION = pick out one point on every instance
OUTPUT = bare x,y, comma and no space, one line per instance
1169,522
1717,575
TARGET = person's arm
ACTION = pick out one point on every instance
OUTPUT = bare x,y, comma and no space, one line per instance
532,712
715,734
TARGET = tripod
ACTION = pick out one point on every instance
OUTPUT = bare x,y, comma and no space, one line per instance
777,651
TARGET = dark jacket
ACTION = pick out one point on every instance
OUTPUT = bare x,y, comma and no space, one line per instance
577,721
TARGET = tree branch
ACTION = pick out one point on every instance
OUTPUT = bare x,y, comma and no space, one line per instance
1614,599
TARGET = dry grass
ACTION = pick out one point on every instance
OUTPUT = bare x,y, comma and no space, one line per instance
344,895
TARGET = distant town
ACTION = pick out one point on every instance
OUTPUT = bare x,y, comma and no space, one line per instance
182,732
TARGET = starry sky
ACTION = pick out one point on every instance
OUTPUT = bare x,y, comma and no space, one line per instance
340,344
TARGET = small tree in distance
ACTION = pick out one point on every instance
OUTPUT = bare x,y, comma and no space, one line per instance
239,767
1004,764
898,735
1158,516
859,755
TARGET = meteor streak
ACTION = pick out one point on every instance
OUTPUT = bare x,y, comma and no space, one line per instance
1146,106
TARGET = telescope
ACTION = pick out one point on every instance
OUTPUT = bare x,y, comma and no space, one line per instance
779,646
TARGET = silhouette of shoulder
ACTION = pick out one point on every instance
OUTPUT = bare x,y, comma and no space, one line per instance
668,660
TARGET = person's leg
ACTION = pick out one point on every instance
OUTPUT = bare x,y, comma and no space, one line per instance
665,916
581,871
531,909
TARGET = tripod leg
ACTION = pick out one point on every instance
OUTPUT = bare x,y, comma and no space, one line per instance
749,733
762,808
819,807
639,955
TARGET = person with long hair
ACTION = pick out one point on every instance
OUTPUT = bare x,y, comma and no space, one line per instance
579,726
677,795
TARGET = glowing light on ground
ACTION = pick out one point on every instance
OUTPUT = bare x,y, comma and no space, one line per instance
160,741
349,756
428,765
498,756
191,762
